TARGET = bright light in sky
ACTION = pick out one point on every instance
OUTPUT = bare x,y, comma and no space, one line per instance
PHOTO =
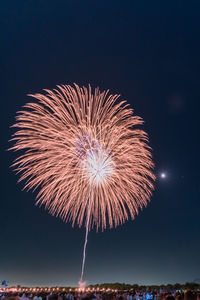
163,175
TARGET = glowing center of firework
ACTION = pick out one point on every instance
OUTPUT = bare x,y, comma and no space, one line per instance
96,161
99,165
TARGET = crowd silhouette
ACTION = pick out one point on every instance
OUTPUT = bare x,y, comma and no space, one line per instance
105,295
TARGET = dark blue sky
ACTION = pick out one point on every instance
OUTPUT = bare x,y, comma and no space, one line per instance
149,52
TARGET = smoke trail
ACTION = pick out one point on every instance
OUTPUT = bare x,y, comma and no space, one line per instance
85,244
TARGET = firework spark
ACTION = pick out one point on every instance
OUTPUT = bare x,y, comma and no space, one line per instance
76,143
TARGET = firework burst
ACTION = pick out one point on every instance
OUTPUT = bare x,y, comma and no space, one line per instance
84,155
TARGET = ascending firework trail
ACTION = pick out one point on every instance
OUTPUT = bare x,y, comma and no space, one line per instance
85,244
85,155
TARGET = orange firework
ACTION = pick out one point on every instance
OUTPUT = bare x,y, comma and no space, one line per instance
85,156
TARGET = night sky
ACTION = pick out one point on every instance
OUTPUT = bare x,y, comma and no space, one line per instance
147,51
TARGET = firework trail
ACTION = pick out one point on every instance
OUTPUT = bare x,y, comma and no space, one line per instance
85,244
84,155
